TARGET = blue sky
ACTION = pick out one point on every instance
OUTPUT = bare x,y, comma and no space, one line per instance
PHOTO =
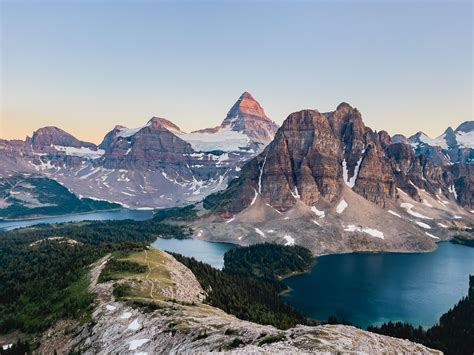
88,65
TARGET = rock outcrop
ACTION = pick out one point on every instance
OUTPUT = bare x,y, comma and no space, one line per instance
199,328
331,184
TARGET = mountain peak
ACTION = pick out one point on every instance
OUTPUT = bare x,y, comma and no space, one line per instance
51,135
344,106
246,105
466,126
163,122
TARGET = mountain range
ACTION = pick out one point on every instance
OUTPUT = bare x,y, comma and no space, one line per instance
322,180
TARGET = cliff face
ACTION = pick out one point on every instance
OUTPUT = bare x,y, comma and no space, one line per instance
312,156
315,155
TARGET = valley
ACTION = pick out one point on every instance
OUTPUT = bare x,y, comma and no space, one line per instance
205,241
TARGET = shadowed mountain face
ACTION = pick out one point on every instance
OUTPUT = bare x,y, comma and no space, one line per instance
314,155
331,184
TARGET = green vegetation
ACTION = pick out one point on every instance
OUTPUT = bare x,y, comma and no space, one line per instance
267,261
116,268
43,269
221,199
251,296
453,334
145,274
186,213
26,196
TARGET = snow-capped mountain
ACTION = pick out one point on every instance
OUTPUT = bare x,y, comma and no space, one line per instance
154,165
246,128
453,146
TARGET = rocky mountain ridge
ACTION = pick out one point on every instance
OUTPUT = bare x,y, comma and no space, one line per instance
453,146
200,328
331,184
152,166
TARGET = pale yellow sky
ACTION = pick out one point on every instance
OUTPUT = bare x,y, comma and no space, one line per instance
86,66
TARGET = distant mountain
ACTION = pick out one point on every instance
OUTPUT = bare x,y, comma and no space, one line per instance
29,195
332,184
453,146
245,128
155,165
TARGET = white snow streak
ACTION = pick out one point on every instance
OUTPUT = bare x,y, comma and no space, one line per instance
295,194
409,208
289,240
259,231
135,344
394,213
370,231
431,235
423,225
318,213
341,206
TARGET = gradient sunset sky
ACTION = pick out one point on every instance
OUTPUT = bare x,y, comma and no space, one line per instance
86,66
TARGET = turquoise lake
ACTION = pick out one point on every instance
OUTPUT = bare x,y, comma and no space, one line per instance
368,288
138,215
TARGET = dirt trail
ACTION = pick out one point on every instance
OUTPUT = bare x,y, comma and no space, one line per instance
147,277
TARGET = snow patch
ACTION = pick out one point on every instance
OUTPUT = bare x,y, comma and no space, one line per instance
452,189
260,232
126,315
295,194
370,231
316,222
83,152
134,325
135,344
289,240
345,174
224,139
431,235
394,213
341,206
230,220
423,225
409,208
442,225
110,308
254,198
465,139
318,213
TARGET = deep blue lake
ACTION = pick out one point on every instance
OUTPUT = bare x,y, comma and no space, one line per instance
208,252
138,215
367,288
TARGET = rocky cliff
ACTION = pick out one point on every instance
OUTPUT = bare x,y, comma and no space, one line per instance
332,184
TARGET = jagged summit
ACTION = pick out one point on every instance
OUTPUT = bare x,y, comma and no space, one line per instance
245,126
246,105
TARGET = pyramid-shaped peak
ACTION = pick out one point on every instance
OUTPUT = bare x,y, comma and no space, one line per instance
246,95
246,105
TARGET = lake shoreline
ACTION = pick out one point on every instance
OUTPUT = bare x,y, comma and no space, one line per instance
35,217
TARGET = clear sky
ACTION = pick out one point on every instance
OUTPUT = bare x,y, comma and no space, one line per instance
87,65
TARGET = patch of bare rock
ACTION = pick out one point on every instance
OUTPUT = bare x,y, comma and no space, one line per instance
180,328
